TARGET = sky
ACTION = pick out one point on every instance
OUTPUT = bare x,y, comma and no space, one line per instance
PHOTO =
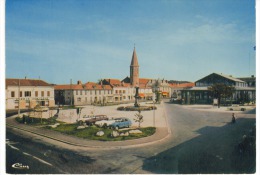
87,40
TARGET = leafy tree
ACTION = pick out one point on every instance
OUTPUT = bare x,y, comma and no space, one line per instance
139,118
221,90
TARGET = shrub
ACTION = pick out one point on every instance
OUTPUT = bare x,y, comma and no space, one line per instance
132,108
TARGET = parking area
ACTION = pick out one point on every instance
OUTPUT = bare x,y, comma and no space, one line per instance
149,117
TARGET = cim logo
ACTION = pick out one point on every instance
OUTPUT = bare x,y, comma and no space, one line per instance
20,166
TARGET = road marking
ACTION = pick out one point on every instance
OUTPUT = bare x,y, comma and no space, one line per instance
13,147
27,154
42,160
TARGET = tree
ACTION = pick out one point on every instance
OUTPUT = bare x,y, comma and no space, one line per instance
139,118
221,90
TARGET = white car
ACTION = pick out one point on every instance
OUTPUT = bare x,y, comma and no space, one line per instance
104,123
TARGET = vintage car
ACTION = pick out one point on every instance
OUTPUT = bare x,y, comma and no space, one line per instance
92,119
236,108
121,123
105,123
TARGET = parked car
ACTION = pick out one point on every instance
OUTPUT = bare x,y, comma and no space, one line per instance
236,108
121,123
105,123
92,119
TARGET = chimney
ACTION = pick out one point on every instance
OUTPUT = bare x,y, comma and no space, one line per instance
101,82
79,82
25,77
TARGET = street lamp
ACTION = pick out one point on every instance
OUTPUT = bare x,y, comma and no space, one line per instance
153,109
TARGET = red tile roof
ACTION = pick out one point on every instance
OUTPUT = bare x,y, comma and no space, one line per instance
87,86
92,86
144,80
68,86
114,82
25,82
181,85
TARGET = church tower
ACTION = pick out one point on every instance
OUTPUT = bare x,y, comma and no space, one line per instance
134,70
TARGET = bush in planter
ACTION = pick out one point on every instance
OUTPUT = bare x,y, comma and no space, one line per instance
121,108
132,108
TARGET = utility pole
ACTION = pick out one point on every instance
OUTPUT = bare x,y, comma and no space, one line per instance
70,92
18,97
154,110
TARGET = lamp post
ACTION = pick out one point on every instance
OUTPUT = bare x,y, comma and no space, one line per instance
136,97
153,109
19,98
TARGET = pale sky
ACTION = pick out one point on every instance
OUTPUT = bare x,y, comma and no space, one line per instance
59,40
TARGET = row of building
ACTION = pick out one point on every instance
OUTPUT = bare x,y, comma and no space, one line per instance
27,93
30,92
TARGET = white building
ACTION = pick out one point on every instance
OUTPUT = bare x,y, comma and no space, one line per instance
28,93
83,94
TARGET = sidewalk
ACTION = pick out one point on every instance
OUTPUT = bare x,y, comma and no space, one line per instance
211,108
161,133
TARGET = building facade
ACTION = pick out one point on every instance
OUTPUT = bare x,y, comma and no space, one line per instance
199,94
27,93
83,94
176,89
160,85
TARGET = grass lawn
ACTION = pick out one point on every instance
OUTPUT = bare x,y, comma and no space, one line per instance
90,132
36,121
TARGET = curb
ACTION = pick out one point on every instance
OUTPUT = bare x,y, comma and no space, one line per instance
131,145
89,146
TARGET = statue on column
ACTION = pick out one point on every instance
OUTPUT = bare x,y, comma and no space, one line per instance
136,97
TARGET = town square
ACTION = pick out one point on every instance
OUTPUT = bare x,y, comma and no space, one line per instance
112,87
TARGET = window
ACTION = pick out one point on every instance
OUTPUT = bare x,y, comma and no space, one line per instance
81,92
86,99
27,93
48,93
12,94
42,93
36,93
99,92
79,99
21,93
76,92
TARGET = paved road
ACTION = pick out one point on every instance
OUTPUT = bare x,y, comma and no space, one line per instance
199,140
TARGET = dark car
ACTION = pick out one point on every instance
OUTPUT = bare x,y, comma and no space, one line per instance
92,120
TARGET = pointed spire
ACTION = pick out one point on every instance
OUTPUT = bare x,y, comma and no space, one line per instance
134,70
134,61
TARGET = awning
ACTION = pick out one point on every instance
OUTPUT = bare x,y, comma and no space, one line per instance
165,93
141,95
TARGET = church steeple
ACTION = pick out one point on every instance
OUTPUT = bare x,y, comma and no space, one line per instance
134,70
